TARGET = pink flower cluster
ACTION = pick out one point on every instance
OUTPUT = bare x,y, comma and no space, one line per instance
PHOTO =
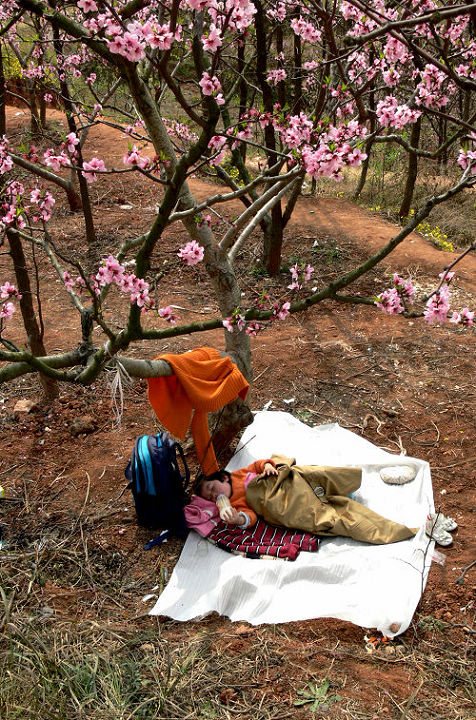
191,253
278,12
212,40
91,168
217,145
134,157
7,309
45,201
211,86
180,130
237,319
13,208
334,151
113,272
56,161
276,76
465,317
467,158
437,306
306,30
429,90
166,314
281,312
391,114
299,277
6,162
392,300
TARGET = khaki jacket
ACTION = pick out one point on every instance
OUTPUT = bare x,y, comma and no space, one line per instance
315,498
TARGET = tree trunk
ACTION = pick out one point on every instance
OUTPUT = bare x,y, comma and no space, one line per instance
273,241
368,145
234,417
364,171
297,80
3,97
35,122
83,186
273,236
412,171
34,334
243,91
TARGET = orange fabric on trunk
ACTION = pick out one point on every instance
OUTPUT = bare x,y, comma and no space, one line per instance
203,381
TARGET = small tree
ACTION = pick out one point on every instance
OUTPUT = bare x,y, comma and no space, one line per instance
341,64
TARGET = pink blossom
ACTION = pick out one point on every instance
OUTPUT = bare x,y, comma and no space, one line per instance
48,97
212,41
306,30
254,328
404,287
71,141
276,76
87,6
167,314
308,272
68,280
192,253
228,324
281,312
465,318
7,310
91,168
448,276
240,321
133,157
390,302
209,85
56,162
8,290
437,306
467,159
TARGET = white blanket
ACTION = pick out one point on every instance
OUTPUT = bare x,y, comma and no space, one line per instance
372,586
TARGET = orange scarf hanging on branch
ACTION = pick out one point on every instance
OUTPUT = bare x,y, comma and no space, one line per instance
204,381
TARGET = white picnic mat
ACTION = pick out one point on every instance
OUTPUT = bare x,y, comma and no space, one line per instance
371,586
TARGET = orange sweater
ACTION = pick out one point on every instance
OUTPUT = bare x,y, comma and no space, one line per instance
238,495
203,381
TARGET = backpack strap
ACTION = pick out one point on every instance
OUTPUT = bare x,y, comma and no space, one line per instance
187,471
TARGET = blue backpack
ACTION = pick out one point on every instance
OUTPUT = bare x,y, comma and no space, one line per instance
157,485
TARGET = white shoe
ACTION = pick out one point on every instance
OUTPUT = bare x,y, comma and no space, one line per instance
437,533
397,474
443,521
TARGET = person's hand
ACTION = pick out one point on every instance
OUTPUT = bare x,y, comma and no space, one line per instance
269,469
231,516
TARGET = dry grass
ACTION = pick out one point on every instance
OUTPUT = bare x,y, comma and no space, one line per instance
91,657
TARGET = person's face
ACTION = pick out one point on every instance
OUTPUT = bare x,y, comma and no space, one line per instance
212,488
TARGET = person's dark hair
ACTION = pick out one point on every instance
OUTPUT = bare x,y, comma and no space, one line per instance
221,475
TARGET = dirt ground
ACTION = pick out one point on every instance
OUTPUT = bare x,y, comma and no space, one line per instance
398,383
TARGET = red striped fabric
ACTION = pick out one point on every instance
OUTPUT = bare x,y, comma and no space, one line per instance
263,540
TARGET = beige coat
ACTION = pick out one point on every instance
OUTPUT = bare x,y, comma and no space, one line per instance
316,498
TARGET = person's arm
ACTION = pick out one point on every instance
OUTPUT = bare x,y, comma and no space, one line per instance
237,517
263,467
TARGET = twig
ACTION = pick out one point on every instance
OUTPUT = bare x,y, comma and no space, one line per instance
460,462
460,579
87,495
261,373
25,491
410,701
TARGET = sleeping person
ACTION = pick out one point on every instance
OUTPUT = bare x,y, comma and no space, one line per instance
314,498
